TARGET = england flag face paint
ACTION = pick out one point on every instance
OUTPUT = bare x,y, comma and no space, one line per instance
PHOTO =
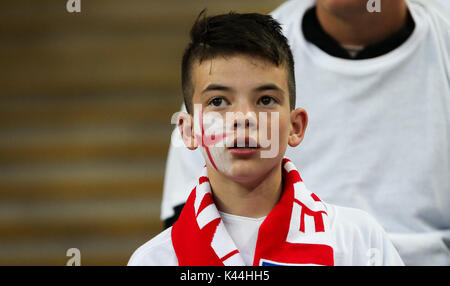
236,136
211,134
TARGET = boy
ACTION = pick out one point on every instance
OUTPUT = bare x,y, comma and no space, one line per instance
250,206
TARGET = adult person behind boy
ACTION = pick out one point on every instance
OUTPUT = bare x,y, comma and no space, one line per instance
376,87
445,3
250,206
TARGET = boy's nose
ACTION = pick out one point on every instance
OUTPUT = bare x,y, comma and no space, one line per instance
247,120
242,116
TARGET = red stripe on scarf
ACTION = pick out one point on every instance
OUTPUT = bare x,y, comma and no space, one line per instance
193,246
202,180
315,198
225,257
206,201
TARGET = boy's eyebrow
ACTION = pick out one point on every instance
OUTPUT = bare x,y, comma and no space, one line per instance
218,87
269,86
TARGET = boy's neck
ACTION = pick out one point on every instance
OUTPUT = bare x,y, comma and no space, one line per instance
251,199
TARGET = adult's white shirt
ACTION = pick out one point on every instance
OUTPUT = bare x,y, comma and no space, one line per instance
378,137
445,3
359,240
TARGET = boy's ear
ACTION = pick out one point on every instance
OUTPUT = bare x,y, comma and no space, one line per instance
299,121
186,128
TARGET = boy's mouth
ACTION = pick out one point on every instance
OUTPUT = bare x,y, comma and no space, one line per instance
244,147
244,143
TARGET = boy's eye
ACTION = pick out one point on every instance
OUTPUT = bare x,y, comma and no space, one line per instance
217,102
266,100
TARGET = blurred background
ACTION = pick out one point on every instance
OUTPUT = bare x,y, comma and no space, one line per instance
85,106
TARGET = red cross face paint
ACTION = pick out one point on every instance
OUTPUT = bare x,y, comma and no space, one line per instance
235,137
212,136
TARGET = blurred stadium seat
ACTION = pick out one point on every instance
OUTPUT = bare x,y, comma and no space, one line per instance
85,106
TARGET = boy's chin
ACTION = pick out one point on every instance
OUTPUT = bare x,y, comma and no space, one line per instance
252,170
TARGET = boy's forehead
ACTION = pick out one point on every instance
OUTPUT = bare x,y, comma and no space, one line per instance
238,70
234,62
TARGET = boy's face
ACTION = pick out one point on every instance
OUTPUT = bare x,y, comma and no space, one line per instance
242,120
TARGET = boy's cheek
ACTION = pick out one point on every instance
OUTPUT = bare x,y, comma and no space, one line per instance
274,135
211,131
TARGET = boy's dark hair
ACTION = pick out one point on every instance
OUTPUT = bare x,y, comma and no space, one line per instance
233,33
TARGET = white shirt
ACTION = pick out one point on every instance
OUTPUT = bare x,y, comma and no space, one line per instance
378,136
359,240
244,232
444,3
